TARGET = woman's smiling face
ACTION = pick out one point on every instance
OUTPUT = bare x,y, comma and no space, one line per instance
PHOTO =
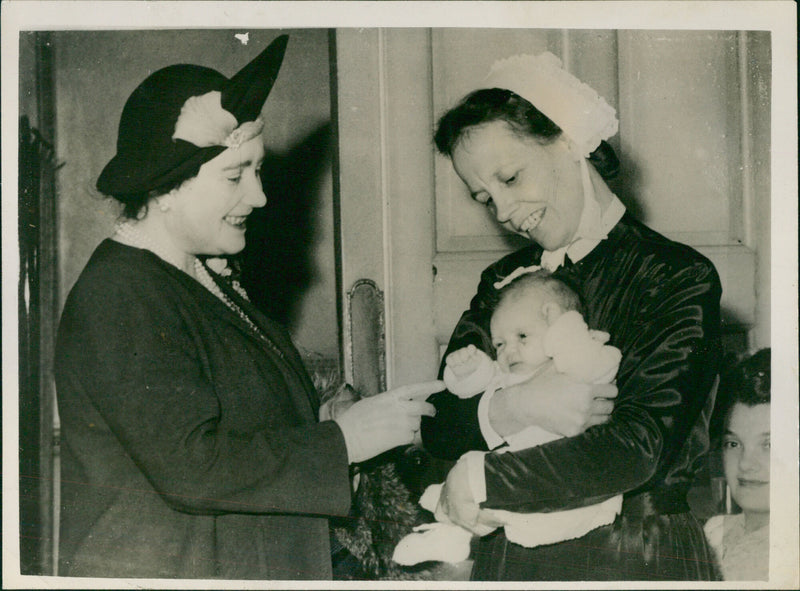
745,456
531,188
208,212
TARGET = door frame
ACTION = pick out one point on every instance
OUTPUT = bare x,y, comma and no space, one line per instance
385,216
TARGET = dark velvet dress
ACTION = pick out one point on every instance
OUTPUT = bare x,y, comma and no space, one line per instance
660,301
190,441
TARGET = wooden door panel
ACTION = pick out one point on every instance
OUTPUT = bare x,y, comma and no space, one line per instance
680,132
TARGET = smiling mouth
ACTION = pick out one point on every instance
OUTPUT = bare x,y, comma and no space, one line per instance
532,221
752,483
237,221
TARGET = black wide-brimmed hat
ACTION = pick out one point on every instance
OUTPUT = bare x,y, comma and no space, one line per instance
150,155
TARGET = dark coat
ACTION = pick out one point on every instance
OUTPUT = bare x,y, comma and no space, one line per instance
659,301
190,442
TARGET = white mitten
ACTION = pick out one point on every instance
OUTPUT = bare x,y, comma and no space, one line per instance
444,542
473,383
579,352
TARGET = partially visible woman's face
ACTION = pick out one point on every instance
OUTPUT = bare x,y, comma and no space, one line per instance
745,456
208,212
532,189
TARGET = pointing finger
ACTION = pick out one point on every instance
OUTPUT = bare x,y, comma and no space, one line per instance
418,408
418,391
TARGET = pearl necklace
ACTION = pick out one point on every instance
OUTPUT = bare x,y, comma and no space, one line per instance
132,235
206,280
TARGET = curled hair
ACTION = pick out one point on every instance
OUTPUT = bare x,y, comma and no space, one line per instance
746,382
134,205
605,161
498,104
542,280
492,104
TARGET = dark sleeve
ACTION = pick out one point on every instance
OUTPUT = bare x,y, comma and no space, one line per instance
138,358
666,374
455,429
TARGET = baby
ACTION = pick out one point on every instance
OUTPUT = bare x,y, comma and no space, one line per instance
536,328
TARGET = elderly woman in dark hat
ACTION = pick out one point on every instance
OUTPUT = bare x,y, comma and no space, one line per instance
191,445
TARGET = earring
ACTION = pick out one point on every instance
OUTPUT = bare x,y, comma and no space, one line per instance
162,206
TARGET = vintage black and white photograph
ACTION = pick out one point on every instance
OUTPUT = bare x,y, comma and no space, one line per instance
313,298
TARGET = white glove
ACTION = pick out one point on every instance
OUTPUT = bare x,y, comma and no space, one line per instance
381,422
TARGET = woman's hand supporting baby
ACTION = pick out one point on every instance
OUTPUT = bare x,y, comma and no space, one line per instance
555,402
458,506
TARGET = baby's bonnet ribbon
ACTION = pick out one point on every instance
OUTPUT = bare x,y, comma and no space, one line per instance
519,271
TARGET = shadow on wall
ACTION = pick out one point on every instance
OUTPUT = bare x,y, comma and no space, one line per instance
627,186
277,262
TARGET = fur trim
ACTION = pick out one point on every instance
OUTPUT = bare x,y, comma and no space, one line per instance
383,512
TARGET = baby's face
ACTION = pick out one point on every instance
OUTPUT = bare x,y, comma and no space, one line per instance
745,456
518,328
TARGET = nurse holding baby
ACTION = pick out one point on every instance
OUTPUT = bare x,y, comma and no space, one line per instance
529,145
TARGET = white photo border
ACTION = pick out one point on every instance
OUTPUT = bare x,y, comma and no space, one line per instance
779,17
